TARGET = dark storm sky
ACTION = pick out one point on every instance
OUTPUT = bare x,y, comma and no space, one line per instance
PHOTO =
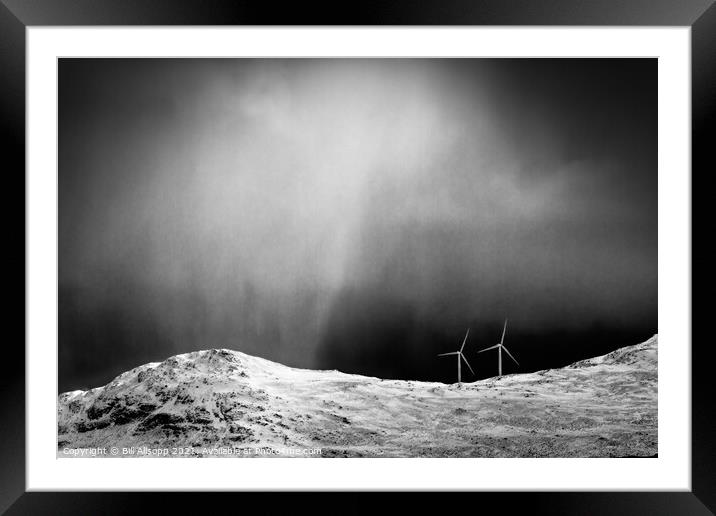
354,214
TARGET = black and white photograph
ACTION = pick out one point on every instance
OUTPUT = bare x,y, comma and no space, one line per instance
357,257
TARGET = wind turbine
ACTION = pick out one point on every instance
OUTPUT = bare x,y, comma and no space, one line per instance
500,347
459,356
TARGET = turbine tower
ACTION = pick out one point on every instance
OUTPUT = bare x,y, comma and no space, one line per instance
500,347
459,356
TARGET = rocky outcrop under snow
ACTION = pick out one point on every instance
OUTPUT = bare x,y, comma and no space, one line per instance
198,402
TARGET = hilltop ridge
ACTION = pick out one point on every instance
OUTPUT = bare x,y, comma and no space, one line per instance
604,406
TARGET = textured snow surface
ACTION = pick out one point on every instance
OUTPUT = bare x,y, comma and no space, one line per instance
601,407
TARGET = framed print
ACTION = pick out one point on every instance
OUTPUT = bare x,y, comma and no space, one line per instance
435,249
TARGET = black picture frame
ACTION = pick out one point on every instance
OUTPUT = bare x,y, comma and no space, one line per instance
17,15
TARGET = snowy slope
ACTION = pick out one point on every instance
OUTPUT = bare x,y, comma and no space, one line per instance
602,407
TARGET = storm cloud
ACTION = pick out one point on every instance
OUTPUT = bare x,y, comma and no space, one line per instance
356,214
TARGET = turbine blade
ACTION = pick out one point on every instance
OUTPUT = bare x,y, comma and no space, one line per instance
510,354
446,354
468,364
488,349
504,330
464,340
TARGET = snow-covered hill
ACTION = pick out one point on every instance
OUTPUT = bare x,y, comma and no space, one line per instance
226,403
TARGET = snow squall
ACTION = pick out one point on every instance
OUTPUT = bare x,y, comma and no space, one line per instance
600,407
